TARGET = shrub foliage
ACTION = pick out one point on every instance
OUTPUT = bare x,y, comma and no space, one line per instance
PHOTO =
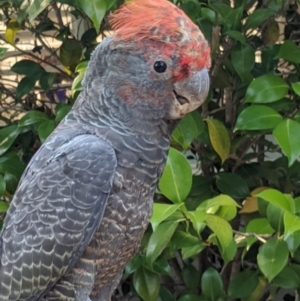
226,219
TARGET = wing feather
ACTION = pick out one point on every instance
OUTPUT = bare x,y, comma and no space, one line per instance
56,209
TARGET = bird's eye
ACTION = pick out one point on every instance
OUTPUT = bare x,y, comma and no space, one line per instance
160,66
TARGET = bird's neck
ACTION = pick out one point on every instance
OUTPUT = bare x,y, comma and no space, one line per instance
118,118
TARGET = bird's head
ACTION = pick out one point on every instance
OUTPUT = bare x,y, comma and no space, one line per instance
154,67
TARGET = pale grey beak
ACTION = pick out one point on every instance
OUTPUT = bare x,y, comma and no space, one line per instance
189,94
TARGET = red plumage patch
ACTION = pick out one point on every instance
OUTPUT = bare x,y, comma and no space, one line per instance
163,22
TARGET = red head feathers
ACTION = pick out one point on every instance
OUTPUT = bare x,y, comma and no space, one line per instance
162,21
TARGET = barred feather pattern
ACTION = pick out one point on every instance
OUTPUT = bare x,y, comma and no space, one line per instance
83,202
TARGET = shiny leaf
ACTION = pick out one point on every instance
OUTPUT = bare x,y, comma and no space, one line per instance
232,184
219,138
290,52
94,9
33,117
266,89
25,86
28,67
7,137
258,117
176,180
257,18
286,134
272,257
211,285
146,283
287,278
2,51
242,284
243,58
221,228
276,198
3,206
188,129
2,185
159,239
45,129
70,52
161,212
291,223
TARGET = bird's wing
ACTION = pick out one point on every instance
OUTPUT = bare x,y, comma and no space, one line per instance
55,211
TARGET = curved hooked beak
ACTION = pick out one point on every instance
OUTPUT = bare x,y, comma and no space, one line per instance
189,94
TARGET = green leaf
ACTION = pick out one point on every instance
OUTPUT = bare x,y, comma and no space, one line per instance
243,58
276,198
293,241
160,266
25,85
291,223
176,180
3,207
11,182
70,52
287,278
82,66
8,136
190,276
236,35
296,88
221,200
197,218
189,297
45,129
232,184
77,83
47,80
258,292
188,129
159,239
2,185
94,9
12,166
190,251
219,138
62,112
2,51
272,257
290,52
257,18
227,212
266,89
35,7
258,117
242,284
228,253
259,226
135,263
109,3
165,294
29,68
182,239
146,283
275,218
33,117
221,228
161,212
211,285
286,134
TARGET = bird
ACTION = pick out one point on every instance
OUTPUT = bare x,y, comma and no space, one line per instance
84,200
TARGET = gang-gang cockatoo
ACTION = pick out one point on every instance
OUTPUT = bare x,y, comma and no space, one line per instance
85,199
